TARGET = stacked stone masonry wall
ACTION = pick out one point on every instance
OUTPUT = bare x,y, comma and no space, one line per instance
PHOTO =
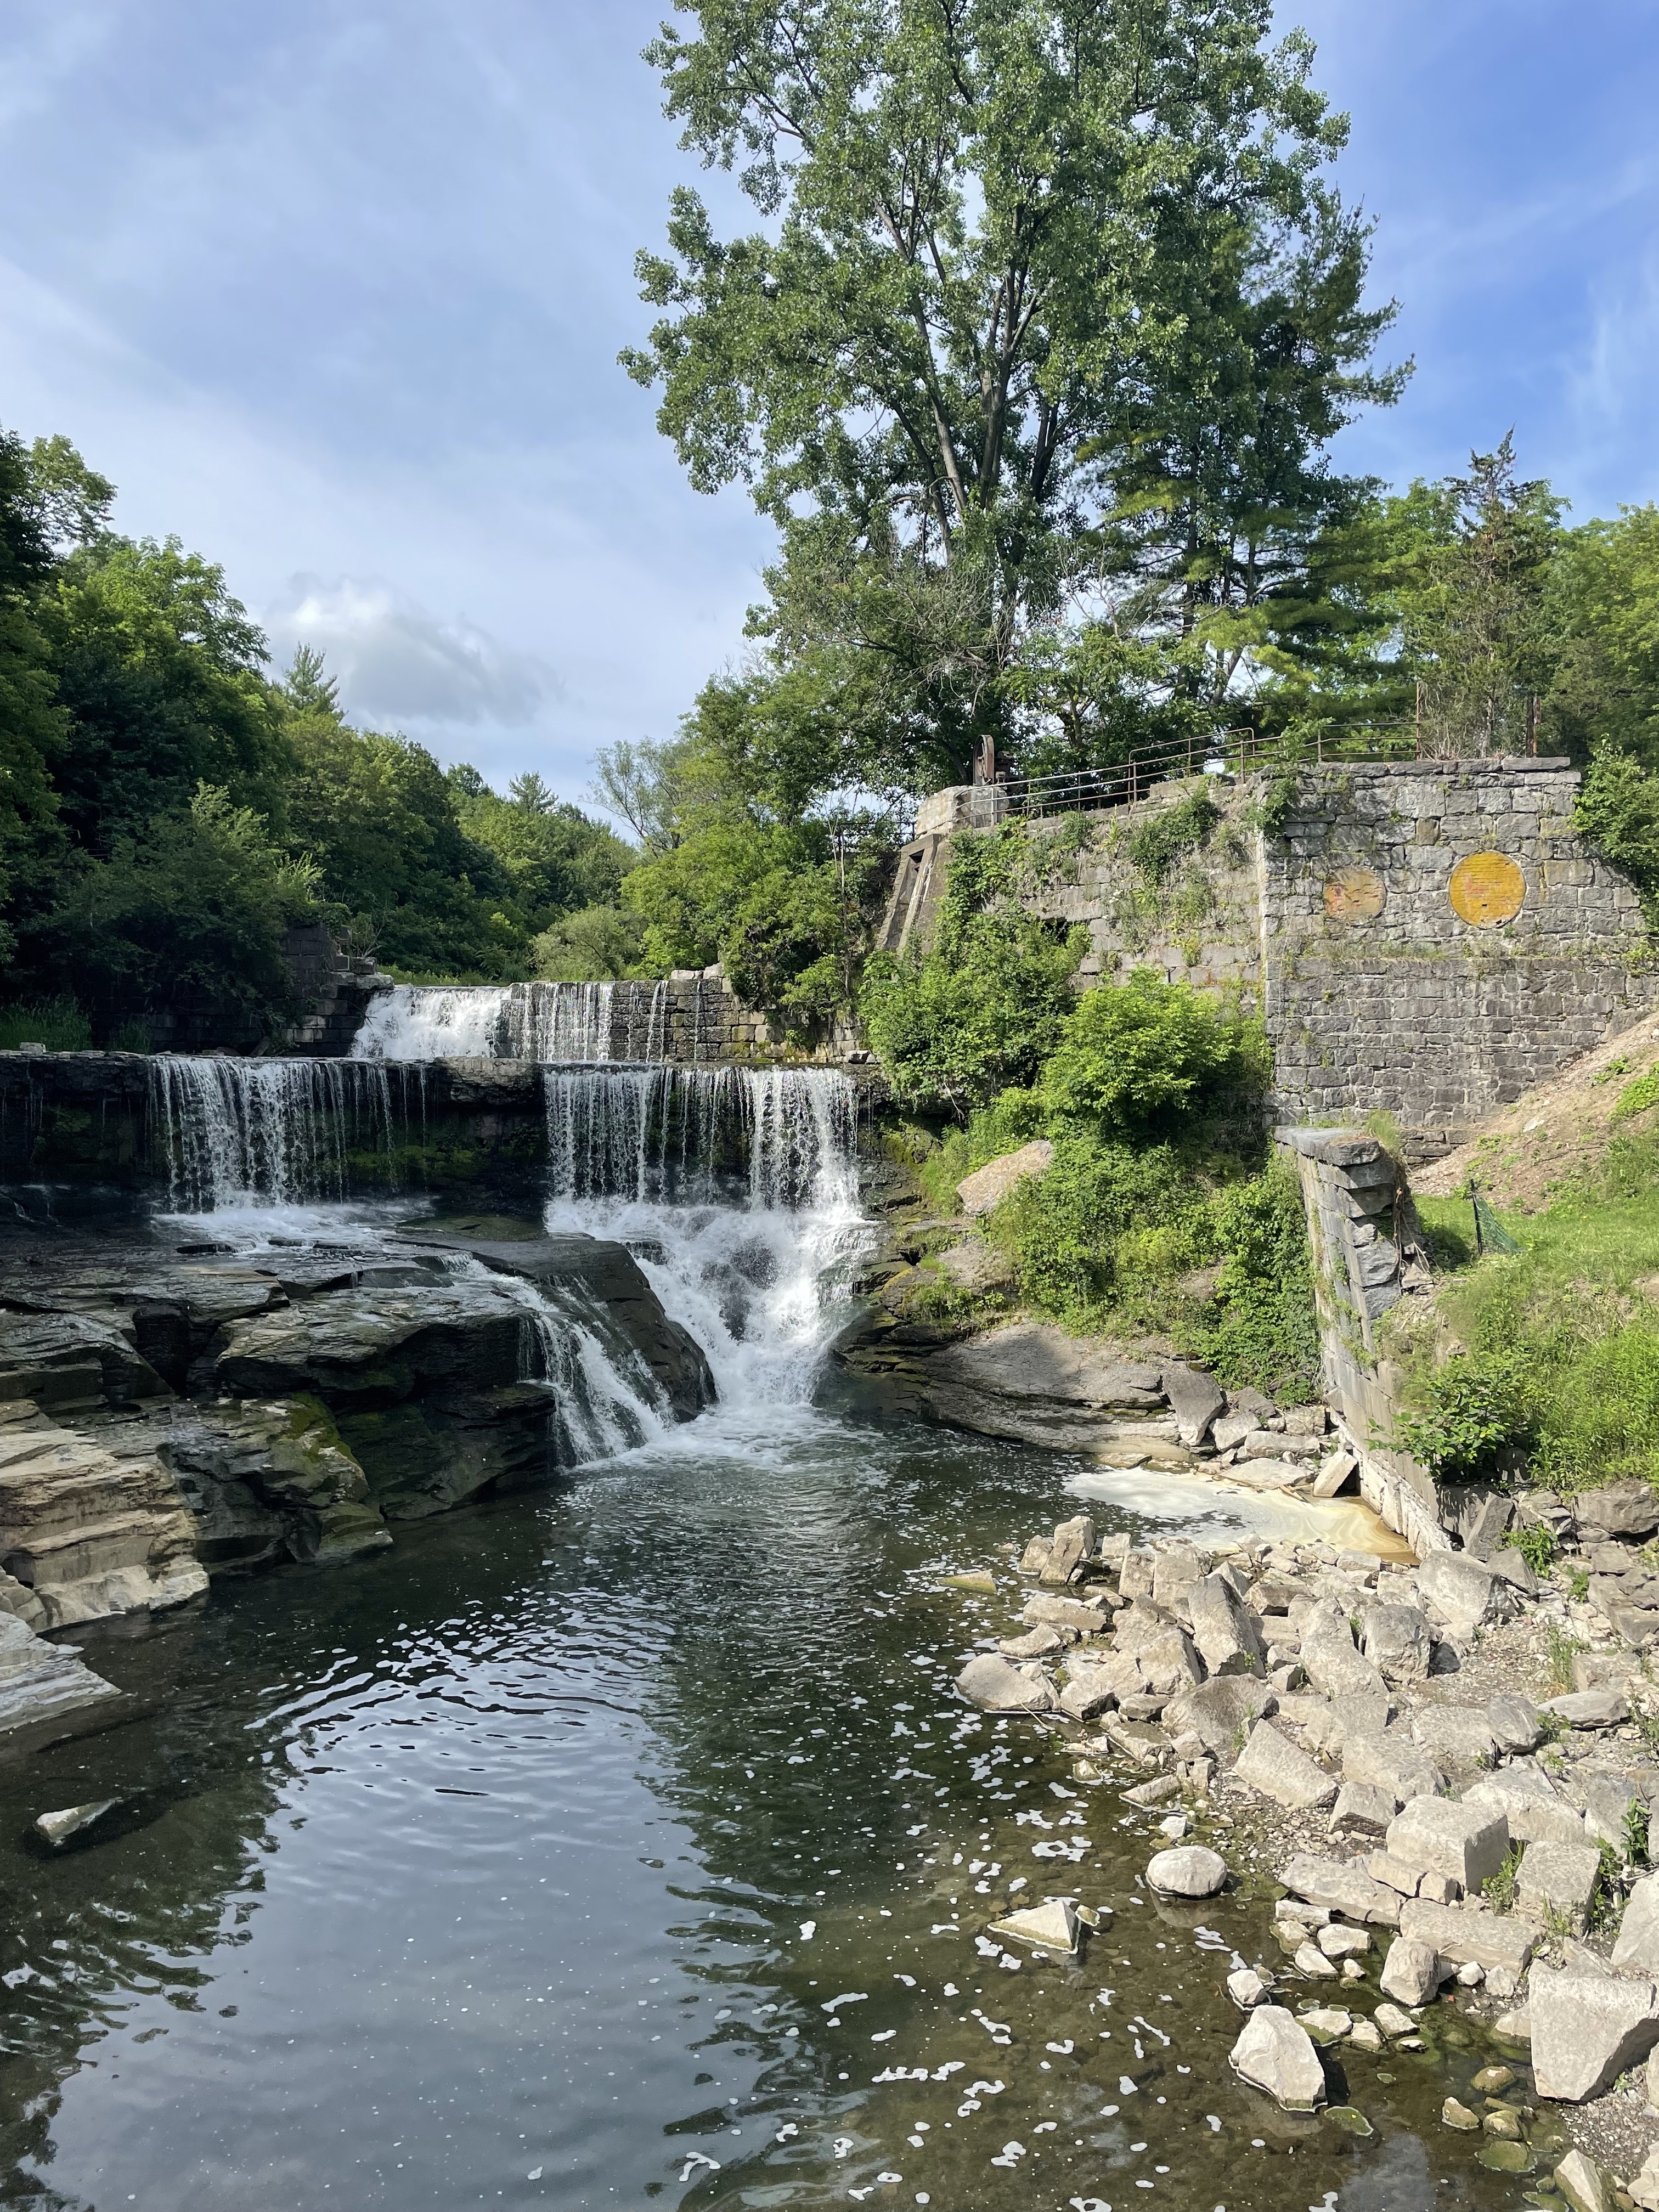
1429,938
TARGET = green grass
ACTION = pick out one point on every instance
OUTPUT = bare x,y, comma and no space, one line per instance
57,1023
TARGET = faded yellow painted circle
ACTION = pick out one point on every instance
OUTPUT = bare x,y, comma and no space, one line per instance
1485,888
1354,894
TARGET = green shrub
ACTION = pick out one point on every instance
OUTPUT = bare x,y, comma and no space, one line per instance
58,1024
1264,1328
1466,1420
1158,842
958,1026
1637,1097
1140,1056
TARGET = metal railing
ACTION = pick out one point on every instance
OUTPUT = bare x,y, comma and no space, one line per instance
1230,752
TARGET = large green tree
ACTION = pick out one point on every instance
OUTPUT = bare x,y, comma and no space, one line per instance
1051,299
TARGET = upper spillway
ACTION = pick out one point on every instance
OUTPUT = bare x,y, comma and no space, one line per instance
559,1022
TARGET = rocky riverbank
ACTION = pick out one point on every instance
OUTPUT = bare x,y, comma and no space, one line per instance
1444,1772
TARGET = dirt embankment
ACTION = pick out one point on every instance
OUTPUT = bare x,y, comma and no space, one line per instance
1523,1155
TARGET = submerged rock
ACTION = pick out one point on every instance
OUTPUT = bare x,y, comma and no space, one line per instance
1053,1926
39,1681
57,1828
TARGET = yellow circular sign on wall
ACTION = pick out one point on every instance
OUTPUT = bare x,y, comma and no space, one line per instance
1354,894
1485,888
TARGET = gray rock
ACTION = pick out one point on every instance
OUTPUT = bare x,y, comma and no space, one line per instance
1148,1794
1557,1878
1462,1841
1458,1738
1580,2182
1620,1508
1636,1949
1589,1709
1333,1664
1392,1762
1053,1925
992,1683
1533,1812
1607,1800
1310,1959
1587,2029
39,1681
1187,1871
1035,1643
57,1828
1226,1634
1195,1399
1044,1611
1362,1808
1515,1723
1397,1642
1463,1932
1272,1763
1074,1543
987,1187
1248,1988
1412,1973
1394,2022
1229,1431
1090,1688
1276,2053
62,1361
1220,1713
267,1479
1465,1591
1174,1573
1341,1887
1338,1942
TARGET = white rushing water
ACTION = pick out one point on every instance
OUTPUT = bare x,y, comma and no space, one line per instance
577,1022
736,1190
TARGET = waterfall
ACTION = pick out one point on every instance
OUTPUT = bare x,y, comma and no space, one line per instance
508,1021
263,1133
736,1190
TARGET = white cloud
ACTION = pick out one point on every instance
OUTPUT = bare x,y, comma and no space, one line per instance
398,663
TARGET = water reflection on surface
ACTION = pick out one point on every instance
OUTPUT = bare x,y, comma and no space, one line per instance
602,1848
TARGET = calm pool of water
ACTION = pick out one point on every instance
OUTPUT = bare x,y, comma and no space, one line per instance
628,1843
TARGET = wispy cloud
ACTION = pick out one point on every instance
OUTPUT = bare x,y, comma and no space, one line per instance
398,663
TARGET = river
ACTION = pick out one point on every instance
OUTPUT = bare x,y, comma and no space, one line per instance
627,1843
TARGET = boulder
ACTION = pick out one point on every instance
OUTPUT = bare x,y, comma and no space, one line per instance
1339,1942
1465,1842
1620,1508
1226,1633
1248,1988
1333,1664
1336,1471
1464,1934
271,1479
1310,1959
1073,1543
1607,1802
1170,1663
1465,1591
1090,1689
1394,2022
998,1687
93,1530
1362,1809
1035,1643
1174,1571
1412,1973
1533,1812
1636,1949
1391,1760
62,1361
987,1187
1053,1926
1579,2180
39,1681
1221,1712
1397,1642
1586,2028
1271,1763
1195,1399
1187,1871
1458,1738
1088,1620
1030,1381
1557,1878
1341,1887
1589,1709
1276,2053
1515,1723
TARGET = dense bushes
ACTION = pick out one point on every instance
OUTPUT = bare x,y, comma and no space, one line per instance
1159,1213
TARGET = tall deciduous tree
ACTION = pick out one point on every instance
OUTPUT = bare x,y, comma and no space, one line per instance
1051,297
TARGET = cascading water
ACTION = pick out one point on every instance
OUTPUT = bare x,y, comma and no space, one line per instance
736,1190
569,1021
262,1133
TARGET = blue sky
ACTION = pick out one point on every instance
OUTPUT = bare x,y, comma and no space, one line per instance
334,289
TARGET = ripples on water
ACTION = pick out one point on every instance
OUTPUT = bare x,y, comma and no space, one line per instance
477,1873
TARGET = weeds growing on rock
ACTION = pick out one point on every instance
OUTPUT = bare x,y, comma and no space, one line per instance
1498,1889
1560,1649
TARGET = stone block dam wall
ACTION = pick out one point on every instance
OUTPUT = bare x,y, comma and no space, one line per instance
1425,938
